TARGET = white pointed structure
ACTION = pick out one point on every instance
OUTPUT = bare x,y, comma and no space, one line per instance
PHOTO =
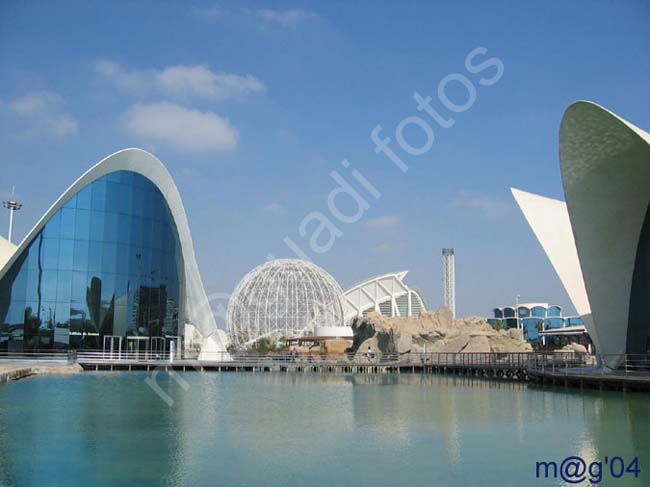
195,308
6,251
605,164
549,220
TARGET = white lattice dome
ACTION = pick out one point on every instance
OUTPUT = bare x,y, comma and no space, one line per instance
283,298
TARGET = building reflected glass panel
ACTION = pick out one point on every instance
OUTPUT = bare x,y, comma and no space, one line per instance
107,263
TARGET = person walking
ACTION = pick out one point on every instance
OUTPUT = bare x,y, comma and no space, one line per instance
370,354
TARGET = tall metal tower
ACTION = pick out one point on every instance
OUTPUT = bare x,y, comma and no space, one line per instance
12,206
449,280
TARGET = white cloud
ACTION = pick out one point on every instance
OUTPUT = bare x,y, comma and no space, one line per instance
275,208
199,81
131,81
484,204
179,81
44,109
44,112
285,18
382,222
180,127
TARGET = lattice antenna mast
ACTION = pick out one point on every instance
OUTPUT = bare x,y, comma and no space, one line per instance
449,280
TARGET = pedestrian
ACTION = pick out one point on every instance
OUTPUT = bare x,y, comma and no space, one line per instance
370,354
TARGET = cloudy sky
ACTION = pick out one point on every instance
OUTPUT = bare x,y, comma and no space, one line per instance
261,110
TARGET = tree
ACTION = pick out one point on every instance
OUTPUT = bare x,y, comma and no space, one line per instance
499,325
266,345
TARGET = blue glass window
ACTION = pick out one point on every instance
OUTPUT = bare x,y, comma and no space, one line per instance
532,327
539,312
554,322
107,263
554,311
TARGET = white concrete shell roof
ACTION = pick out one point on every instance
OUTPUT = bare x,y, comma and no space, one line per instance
197,309
550,222
593,238
605,163
370,293
6,251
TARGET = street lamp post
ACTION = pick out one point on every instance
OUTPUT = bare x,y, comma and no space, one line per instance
517,310
12,206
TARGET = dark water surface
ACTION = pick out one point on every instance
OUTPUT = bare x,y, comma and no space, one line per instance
284,430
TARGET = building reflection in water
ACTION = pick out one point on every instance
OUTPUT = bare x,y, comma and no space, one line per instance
292,429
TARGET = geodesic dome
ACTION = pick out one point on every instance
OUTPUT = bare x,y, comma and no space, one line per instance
283,298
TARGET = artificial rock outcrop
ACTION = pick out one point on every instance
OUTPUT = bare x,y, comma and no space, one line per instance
433,332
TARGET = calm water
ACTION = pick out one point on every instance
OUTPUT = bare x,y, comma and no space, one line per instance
306,430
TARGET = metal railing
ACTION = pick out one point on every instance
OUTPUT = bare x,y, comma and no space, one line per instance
145,356
257,359
488,360
557,363
593,365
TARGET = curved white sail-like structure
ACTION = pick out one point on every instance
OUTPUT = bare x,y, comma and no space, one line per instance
599,240
549,220
7,249
605,164
194,308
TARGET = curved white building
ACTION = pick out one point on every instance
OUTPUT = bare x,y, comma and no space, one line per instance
386,294
6,251
599,244
284,298
110,261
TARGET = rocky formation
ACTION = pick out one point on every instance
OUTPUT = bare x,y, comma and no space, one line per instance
12,371
433,332
574,348
331,347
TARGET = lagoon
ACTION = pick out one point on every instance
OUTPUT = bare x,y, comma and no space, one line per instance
304,430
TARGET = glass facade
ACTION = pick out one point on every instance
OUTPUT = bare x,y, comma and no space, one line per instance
108,263
532,318
574,321
532,327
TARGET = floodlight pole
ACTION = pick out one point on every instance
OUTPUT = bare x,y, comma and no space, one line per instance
12,206
517,310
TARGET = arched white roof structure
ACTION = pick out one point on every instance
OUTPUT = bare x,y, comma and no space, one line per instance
387,294
529,306
6,251
605,163
602,255
197,311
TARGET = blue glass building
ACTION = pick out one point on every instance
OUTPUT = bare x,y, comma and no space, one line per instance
533,318
109,265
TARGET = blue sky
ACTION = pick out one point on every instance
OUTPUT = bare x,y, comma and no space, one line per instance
251,105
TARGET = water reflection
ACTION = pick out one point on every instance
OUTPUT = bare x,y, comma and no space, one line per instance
302,430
